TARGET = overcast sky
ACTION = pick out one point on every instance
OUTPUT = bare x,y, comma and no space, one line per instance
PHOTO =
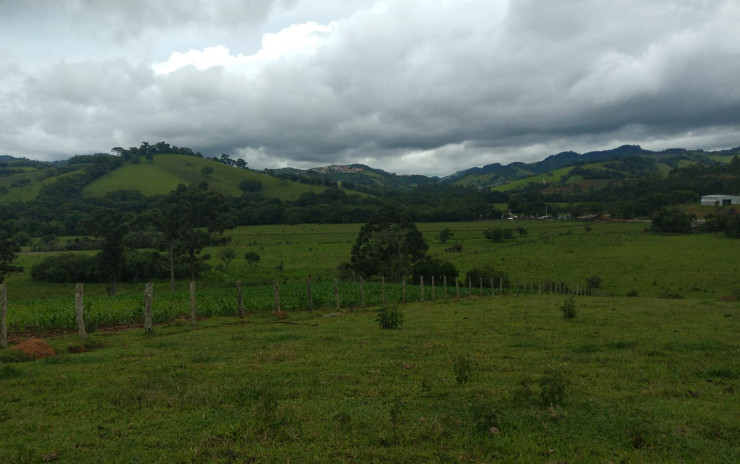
408,86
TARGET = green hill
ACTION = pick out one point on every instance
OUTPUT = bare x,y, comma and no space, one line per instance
165,172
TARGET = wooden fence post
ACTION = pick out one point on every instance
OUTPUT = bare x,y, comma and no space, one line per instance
336,292
276,292
421,285
457,288
434,296
192,302
309,297
148,293
501,285
470,286
480,283
239,299
362,291
3,316
403,285
492,291
444,282
79,304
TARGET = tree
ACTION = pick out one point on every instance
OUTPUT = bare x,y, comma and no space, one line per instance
444,235
8,249
672,222
187,216
117,150
252,258
227,256
110,225
206,171
387,245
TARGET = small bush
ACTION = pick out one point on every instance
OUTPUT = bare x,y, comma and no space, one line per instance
462,366
552,386
593,282
389,317
569,308
632,293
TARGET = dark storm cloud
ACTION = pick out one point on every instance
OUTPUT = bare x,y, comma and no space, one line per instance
404,85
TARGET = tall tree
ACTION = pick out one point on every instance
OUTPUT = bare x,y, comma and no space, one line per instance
387,245
8,249
188,216
111,225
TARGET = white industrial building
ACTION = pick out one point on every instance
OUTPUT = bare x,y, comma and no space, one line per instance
712,200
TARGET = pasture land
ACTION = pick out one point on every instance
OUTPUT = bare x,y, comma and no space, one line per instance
503,379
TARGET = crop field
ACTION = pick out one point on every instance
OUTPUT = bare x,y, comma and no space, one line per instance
629,262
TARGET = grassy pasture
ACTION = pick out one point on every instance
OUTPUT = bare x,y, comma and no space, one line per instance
640,380
165,172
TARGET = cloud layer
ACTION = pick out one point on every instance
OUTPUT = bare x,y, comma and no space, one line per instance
404,85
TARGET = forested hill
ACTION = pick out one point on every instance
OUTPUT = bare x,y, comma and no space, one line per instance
41,198
624,162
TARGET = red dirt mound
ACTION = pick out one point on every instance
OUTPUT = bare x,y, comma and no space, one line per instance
35,348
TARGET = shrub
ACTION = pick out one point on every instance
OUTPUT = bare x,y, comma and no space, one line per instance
569,308
487,273
552,385
462,366
593,282
389,317
429,267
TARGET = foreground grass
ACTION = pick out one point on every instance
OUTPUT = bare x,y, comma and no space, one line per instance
643,380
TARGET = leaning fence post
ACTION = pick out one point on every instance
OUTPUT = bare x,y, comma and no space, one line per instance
239,298
3,316
79,303
309,298
148,292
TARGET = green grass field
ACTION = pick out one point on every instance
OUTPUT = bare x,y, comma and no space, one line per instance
165,172
628,380
502,378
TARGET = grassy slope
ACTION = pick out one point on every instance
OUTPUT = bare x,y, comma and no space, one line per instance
30,191
167,171
644,381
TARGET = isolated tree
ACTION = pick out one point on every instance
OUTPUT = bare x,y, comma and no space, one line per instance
111,226
8,250
117,150
387,245
444,235
227,256
672,222
206,171
188,216
252,258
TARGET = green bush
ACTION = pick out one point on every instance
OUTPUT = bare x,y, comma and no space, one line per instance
462,366
389,317
569,308
552,386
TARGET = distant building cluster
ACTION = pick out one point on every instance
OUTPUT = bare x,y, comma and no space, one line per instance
338,168
712,200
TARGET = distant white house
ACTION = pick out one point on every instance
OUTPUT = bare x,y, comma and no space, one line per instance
711,200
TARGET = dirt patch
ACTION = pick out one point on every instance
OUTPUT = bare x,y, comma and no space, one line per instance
35,348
